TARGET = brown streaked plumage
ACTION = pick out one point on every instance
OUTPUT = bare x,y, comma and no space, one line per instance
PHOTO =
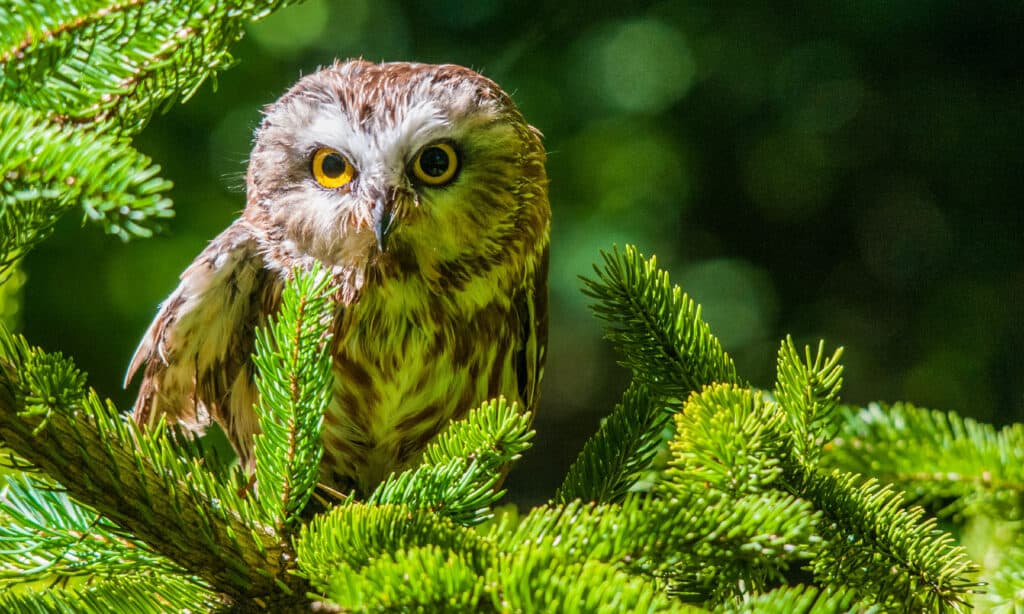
423,190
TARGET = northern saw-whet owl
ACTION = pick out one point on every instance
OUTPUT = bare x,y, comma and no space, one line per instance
422,190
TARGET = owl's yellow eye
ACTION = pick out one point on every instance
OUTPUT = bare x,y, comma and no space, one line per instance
436,164
331,169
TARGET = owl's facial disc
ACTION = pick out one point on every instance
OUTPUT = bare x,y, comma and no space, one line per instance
404,168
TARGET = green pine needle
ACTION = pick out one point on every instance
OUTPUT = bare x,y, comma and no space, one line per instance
623,447
138,594
753,535
934,455
444,582
45,169
295,380
808,389
656,327
154,487
730,439
461,470
800,600
535,580
353,536
886,553
113,64
497,428
50,536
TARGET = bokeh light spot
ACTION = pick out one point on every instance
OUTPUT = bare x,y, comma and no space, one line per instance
788,176
818,87
289,32
738,299
643,65
904,238
629,166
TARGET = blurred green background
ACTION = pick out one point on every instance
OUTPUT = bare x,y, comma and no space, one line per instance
847,170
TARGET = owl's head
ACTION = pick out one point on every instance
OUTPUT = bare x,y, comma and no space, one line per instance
400,168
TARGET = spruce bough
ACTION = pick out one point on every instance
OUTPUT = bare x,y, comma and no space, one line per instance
748,501
697,493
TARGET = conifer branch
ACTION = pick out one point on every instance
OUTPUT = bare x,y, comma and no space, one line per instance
808,390
295,380
800,600
537,580
659,536
623,447
885,552
350,537
139,480
46,169
656,327
934,455
496,428
730,439
139,594
48,536
445,582
463,467
111,64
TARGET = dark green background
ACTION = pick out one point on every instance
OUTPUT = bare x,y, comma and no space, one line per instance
847,170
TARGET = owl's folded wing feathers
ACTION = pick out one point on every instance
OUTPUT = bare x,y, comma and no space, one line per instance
531,348
195,354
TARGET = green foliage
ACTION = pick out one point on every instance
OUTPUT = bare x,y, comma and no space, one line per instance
536,582
51,536
140,594
936,456
800,600
656,327
97,62
11,283
809,391
462,468
1005,590
78,79
730,439
45,169
445,582
613,459
352,536
757,509
869,531
139,480
295,379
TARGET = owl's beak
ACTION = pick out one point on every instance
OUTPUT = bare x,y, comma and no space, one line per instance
382,217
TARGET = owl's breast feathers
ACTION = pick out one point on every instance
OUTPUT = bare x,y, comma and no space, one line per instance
409,355
406,366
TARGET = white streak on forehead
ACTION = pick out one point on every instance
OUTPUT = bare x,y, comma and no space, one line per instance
381,139
406,117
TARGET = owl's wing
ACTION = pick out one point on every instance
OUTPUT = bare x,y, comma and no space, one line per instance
196,352
532,309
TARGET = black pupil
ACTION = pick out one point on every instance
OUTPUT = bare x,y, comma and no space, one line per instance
434,161
333,165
